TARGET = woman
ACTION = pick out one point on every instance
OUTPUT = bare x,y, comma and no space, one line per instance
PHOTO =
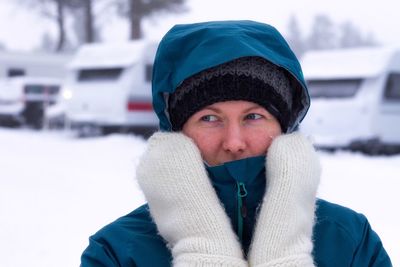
228,180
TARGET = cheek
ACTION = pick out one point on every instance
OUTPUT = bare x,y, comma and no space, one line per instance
262,139
207,143
261,144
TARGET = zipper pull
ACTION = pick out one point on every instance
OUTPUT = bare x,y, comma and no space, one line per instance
242,210
242,192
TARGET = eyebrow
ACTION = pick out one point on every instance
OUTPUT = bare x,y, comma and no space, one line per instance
256,106
217,110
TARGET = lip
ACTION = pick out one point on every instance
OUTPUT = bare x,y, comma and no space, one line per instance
234,158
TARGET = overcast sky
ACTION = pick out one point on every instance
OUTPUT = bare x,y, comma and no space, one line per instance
23,30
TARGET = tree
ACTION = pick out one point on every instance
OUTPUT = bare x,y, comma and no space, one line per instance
85,10
47,43
136,10
323,34
88,19
54,10
83,20
57,10
326,35
351,36
370,40
294,37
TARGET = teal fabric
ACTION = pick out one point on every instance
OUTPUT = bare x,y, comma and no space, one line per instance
190,48
341,236
224,179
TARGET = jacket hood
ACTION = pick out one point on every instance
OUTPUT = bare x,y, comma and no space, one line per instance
187,49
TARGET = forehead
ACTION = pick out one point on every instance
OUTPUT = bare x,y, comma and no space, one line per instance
233,106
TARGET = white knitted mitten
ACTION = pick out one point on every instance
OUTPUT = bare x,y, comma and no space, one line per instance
283,235
184,205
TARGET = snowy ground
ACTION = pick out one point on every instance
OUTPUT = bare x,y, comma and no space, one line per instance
56,190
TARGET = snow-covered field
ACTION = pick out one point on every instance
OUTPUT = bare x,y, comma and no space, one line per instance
56,190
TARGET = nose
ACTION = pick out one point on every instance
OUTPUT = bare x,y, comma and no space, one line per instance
234,139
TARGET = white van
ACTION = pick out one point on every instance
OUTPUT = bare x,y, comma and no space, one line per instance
355,97
33,64
109,86
26,100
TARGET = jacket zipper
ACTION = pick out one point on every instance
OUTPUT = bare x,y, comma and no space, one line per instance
242,209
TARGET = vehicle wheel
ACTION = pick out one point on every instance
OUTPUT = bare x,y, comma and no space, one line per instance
145,131
9,123
106,130
88,130
34,115
391,149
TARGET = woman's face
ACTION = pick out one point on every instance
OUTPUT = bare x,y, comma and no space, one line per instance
232,130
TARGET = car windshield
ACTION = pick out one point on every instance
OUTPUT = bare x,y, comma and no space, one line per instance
41,89
333,88
99,74
392,90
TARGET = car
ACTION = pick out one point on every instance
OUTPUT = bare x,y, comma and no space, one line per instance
355,98
108,87
24,100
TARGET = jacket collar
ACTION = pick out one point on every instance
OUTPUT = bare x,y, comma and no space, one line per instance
225,178
242,170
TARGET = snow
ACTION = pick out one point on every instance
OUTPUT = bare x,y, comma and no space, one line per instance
108,55
57,190
33,58
347,63
368,185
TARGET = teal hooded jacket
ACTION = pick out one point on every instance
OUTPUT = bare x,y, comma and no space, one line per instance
341,236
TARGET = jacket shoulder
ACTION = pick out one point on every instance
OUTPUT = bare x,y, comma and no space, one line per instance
137,222
343,237
126,241
344,218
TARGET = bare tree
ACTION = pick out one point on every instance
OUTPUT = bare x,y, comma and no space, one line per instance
370,40
351,36
136,10
57,10
47,43
60,19
326,35
86,8
323,34
83,8
295,37
54,10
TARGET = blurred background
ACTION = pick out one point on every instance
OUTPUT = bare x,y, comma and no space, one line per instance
75,110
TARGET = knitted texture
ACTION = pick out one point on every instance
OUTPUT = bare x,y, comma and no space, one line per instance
252,79
184,205
283,233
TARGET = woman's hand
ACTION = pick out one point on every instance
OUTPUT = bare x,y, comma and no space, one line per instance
184,205
283,235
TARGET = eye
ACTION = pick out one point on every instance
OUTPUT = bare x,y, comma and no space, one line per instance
253,116
209,118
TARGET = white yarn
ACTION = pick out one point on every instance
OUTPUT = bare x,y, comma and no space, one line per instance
283,233
184,205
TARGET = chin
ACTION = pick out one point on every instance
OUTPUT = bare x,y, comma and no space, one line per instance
220,162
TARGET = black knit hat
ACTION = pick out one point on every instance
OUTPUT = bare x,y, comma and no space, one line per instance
251,79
